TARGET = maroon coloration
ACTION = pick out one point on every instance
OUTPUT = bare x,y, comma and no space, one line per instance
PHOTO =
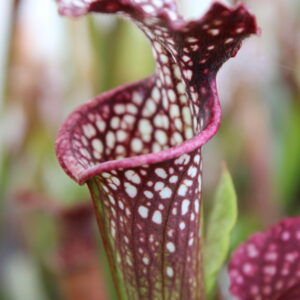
138,146
77,241
75,224
267,266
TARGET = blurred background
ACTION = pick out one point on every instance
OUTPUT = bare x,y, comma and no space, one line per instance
49,65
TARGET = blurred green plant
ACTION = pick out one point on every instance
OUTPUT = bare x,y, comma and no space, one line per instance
219,225
289,170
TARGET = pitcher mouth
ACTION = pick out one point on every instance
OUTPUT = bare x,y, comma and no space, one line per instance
81,173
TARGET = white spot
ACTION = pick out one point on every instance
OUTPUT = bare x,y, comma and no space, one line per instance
129,119
171,247
197,159
285,236
157,46
192,216
96,154
177,72
218,22
173,179
84,140
189,133
196,204
110,139
119,109
186,114
148,194
174,111
157,217
170,271
156,94
191,241
164,58
192,40
161,136
149,108
89,130
121,135
136,145
214,31
101,125
229,40
194,47
143,211
182,225
166,70
115,122
161,173
291,257
97,145
112,200
128,260
192,171
239,30
159,186
130,189
270,270
171,95
146,260
186,58
151,238
188,182
182,190
188,74
247,268
161,121
133,176
132,109
271,256
137,98
113,231
121,205
252,250
106,175
145,128
178,124
148,8
115,180
185,206
166,192
182,160
120,150
113,186
181,88
85,153
177,138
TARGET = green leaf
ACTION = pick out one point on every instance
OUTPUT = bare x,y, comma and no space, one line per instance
289,171
220,223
